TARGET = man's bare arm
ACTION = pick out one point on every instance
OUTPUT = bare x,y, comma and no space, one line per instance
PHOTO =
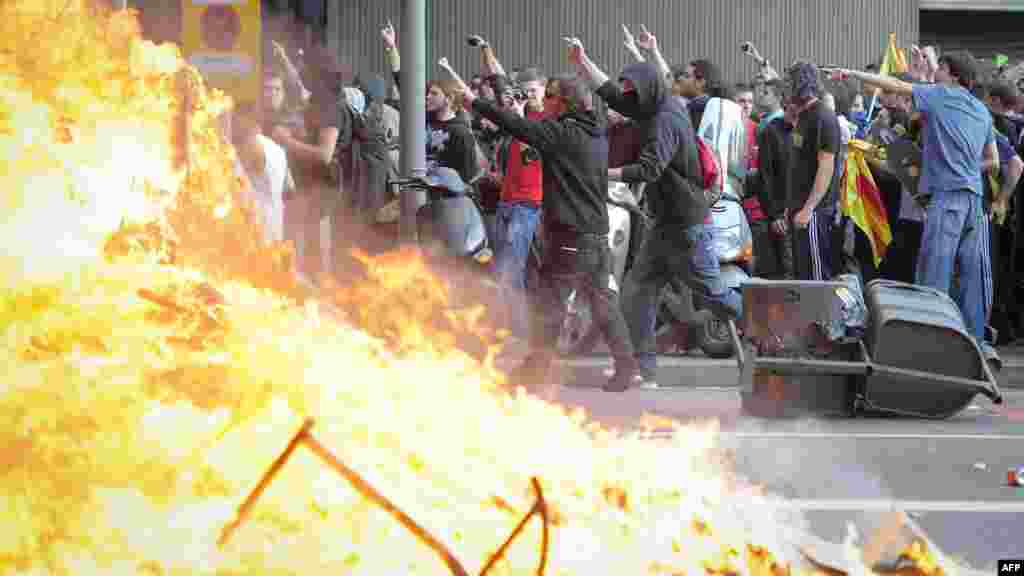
320,154
391,47
822,179
630,43
585,67
990,158
650,43
492,66
884,83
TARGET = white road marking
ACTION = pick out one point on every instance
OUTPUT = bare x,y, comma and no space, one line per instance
882,505
851,436
872,436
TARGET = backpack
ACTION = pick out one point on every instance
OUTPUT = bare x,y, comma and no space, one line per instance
376,125
711,170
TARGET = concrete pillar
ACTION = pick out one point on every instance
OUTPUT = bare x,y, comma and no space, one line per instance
413,44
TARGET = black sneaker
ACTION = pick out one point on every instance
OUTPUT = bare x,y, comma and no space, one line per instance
623,381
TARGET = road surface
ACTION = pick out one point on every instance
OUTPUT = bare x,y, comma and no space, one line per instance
949,475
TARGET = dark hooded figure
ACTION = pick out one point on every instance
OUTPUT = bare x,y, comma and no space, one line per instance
573,145
679,248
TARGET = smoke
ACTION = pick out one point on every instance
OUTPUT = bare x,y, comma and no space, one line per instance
793,463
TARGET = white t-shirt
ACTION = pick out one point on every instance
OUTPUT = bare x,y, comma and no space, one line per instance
267,189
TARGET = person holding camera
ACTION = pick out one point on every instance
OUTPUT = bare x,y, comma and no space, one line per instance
521,192
573,147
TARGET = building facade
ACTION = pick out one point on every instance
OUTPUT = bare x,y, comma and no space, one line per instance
529,32
984,27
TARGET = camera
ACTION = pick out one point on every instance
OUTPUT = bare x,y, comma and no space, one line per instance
528,155
475,41
747,48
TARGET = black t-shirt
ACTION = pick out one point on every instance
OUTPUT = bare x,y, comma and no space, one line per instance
817,130
451,144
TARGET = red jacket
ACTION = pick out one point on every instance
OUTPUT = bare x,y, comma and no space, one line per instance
523,182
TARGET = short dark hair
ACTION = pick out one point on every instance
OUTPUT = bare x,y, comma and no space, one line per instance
961,65
531,75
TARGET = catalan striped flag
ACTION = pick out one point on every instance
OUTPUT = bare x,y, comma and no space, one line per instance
861,200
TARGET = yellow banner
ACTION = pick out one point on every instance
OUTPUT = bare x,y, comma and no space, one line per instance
222,39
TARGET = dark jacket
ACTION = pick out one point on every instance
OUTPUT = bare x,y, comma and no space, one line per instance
574,152
773,167
668,160
452,145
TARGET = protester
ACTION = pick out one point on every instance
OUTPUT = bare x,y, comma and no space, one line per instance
265,167
573,149
678,249
521,195
812,188
314,159
774,251
957,137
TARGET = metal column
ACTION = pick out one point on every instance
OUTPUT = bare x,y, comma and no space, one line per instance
413,44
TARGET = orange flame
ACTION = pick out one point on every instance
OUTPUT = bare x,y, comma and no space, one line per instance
154,357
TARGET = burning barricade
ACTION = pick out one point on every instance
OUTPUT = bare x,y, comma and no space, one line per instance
158,361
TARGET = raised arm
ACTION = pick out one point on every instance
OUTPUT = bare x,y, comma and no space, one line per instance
630,43
649,42
391,47
884,83
588,71
292,76
488,60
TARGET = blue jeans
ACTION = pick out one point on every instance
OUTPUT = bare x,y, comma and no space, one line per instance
673,255
954,239
514,230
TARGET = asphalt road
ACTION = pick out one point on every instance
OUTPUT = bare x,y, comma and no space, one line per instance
949,475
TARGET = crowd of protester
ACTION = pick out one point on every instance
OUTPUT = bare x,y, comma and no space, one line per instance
541,148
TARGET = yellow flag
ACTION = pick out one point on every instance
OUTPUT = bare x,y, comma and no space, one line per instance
862,201
894,62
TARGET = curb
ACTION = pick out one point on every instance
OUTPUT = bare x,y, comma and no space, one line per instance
698,371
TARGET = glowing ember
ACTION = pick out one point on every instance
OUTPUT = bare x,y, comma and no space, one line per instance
155,361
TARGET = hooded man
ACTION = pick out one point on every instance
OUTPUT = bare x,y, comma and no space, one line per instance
679,246
573,146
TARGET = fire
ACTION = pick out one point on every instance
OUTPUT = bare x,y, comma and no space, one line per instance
156,360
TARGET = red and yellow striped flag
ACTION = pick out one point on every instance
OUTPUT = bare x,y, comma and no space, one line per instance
862,202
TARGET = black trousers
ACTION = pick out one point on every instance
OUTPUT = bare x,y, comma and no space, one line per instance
900,260
580,262
773,254
812,250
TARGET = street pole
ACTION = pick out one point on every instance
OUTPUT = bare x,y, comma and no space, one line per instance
413,127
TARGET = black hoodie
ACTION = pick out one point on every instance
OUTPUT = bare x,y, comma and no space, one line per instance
668,159
574,152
